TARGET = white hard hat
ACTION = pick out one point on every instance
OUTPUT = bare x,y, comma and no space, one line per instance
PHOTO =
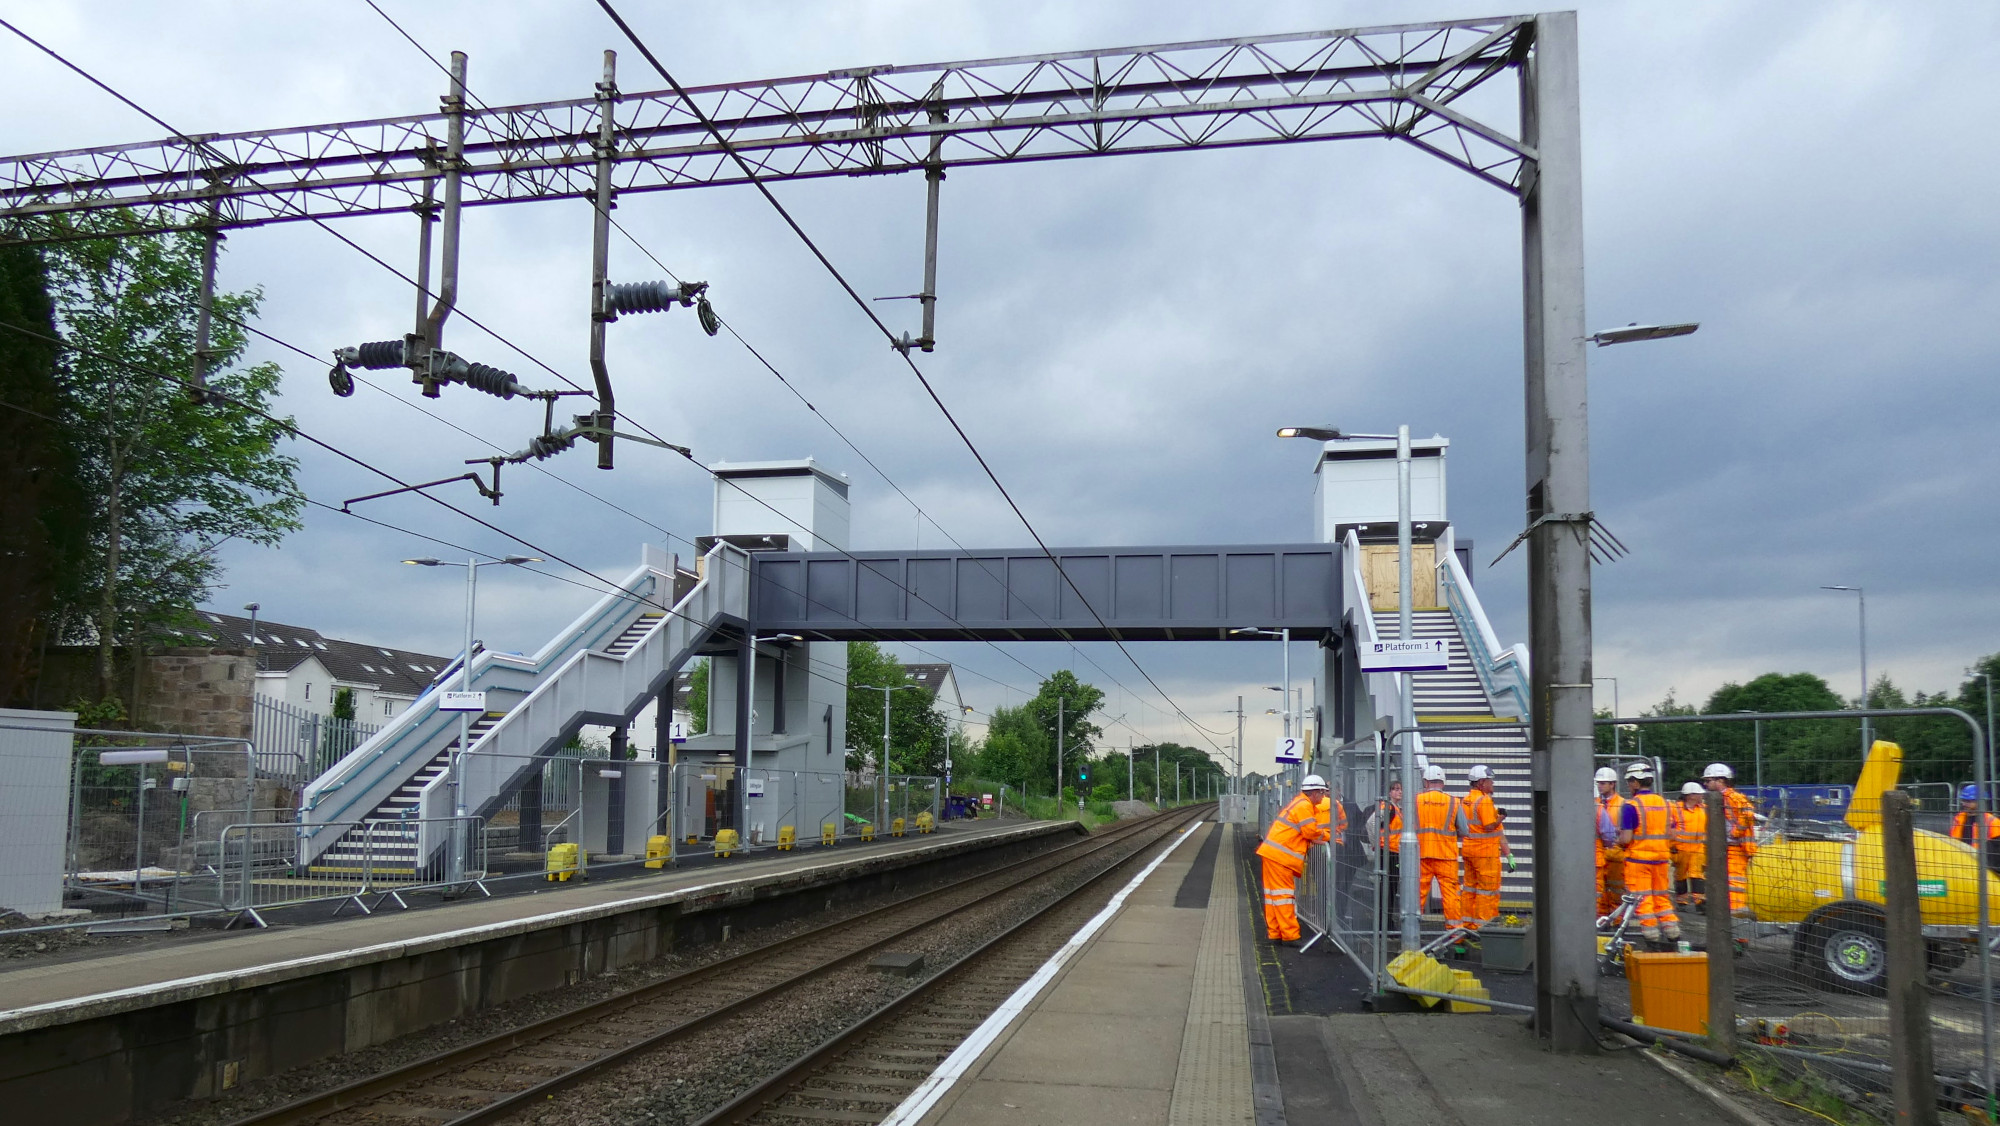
1313,782
1718,770
1479,773
1691,788
1640,769
1433,773
1606,774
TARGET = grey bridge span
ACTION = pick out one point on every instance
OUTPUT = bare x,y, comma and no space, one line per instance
1099,594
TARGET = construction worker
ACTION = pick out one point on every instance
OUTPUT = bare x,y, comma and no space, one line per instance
1645,832
1742,818
1385,828
1441,825
1484,845
1965,826
1298,827
1690,831
1610,857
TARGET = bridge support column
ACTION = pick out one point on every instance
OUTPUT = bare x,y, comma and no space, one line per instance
1558,512
746,654
528,838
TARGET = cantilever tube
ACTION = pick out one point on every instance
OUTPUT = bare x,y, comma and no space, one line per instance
600,255
453,176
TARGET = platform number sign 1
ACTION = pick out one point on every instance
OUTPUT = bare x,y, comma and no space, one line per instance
1290,749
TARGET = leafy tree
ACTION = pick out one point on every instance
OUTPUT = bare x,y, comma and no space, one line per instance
916,728
41,506
170,479
698,697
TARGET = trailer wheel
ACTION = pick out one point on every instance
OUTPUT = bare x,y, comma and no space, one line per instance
1944,956
1847,949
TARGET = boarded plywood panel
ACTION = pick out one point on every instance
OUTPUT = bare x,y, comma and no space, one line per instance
1379,567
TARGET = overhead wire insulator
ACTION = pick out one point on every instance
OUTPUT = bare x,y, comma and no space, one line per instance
483,377
653,296
378,355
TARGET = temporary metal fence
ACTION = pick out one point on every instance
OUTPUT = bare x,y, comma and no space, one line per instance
296,744
261,866
1858,929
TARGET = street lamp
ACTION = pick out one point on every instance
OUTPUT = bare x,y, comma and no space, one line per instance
1406,709
255,660
1284,637
1633,333
1862,597
453,760
882,775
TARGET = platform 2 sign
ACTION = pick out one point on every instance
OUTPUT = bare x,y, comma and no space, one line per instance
1423,654
1290,749
462,702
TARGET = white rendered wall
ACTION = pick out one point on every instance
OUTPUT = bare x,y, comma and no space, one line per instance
34,808
1364,491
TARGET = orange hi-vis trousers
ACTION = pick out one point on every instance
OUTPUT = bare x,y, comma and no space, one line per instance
1739,879
1690,864
1481,894
1610,879
1653,882
1443,869
1281,913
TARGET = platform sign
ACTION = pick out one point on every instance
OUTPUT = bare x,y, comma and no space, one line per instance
677,731
462,702
986,799
1290,749
755,786
1422,654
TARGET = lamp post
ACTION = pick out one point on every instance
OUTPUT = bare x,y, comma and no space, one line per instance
1284,637
750,736
1615,713
882,775
253,607
455,761
1406,708
1861,597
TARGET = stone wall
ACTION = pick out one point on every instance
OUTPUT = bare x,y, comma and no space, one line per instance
189,691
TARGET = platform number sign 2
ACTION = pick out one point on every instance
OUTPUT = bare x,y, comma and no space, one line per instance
1289,749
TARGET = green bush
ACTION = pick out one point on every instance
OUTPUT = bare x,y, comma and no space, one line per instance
1103,793
1103,809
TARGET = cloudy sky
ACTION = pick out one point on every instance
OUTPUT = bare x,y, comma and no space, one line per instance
1814,182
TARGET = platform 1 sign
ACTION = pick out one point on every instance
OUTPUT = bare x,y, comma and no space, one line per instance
677,731
463,702
1423,654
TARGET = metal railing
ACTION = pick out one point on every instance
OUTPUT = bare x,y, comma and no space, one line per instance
295,745
1502,672
261,866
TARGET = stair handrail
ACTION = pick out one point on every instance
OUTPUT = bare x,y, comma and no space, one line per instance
1503,673
412,721
1385,691
724,585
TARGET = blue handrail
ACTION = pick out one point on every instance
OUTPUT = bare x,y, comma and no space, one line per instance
1500,675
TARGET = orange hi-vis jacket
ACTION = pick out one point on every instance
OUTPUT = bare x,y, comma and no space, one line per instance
1742,817
1654,838
1392,832
1441,824
1690,827
1296,829
1483,837
1963,830
1609,810
1333,817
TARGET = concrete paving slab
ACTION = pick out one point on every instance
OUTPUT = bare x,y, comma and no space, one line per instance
1124,991
1418,1069
1091,1048
988,1102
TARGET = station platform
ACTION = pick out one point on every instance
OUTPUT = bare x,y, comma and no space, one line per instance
1177,1011
137,1028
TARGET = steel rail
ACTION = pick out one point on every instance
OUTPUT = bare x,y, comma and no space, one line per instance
369,1089
750,1103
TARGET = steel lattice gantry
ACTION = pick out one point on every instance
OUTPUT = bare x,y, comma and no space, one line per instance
1413,83
1429,85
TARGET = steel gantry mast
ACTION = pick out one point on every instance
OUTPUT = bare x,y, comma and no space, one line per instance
1429,85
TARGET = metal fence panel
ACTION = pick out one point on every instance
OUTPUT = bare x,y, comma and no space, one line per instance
297,745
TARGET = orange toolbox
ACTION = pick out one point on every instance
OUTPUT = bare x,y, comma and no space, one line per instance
1669,990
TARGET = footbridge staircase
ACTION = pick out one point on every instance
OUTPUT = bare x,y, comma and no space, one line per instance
1483,684
603,668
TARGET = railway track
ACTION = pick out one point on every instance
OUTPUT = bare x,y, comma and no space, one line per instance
500,1075
864,1072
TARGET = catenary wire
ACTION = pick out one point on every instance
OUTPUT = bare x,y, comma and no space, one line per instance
861,303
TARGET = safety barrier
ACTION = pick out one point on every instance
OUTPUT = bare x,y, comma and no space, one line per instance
261,866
